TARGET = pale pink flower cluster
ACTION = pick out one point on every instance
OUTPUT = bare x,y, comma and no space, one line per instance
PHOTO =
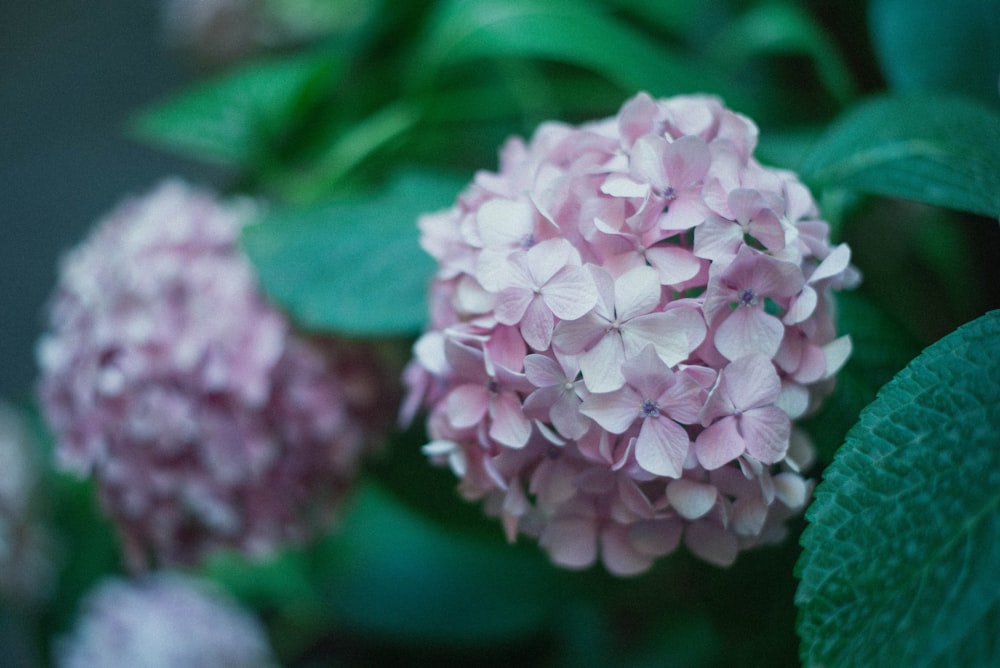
204,419
163,620
625,321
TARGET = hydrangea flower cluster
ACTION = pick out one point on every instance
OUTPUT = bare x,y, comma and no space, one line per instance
163,620
626,319
205,420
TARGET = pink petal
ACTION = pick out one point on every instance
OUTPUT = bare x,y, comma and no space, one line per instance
553,482
620,557
618,185
749,330
717,238
571,542
571,293
537,325
685,212
576,336
656,330
791,490
793,400
538,404
548,257
774,278
662,447
751,382
636,292
745,202
766,228
636,117
505,349
543,371
602,364
834,263
504,222
673,264
691,499
712,543
719,444
812,366
509,425
683,401
749,515
567,418
655,537
614,411
511,305
466,405
766,431
837,352
646,160
686,161
802,306
647,373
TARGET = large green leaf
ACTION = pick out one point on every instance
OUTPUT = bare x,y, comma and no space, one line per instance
902,551
924,45
575,33
390,573
352,266
240,118
939,150
785,28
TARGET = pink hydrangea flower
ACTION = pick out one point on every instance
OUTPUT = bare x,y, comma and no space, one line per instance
163,620
650,406
205,421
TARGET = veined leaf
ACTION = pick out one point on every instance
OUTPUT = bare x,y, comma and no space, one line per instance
921,47
938,150
239,118
352,266
903,546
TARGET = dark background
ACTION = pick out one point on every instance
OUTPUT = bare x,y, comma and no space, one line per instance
72,73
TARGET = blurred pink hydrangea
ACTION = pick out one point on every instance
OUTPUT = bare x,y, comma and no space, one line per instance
625,321
221,32
163,620
204,419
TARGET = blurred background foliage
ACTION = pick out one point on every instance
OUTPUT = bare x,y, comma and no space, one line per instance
365,113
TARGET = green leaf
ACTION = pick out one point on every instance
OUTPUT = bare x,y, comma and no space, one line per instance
352,266
921,47
938,150
390,573
574,33
240,118
902,551
786,28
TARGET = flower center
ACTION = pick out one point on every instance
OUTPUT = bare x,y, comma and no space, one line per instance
748,297
493,387
649,409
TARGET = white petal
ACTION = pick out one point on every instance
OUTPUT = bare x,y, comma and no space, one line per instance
691,499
